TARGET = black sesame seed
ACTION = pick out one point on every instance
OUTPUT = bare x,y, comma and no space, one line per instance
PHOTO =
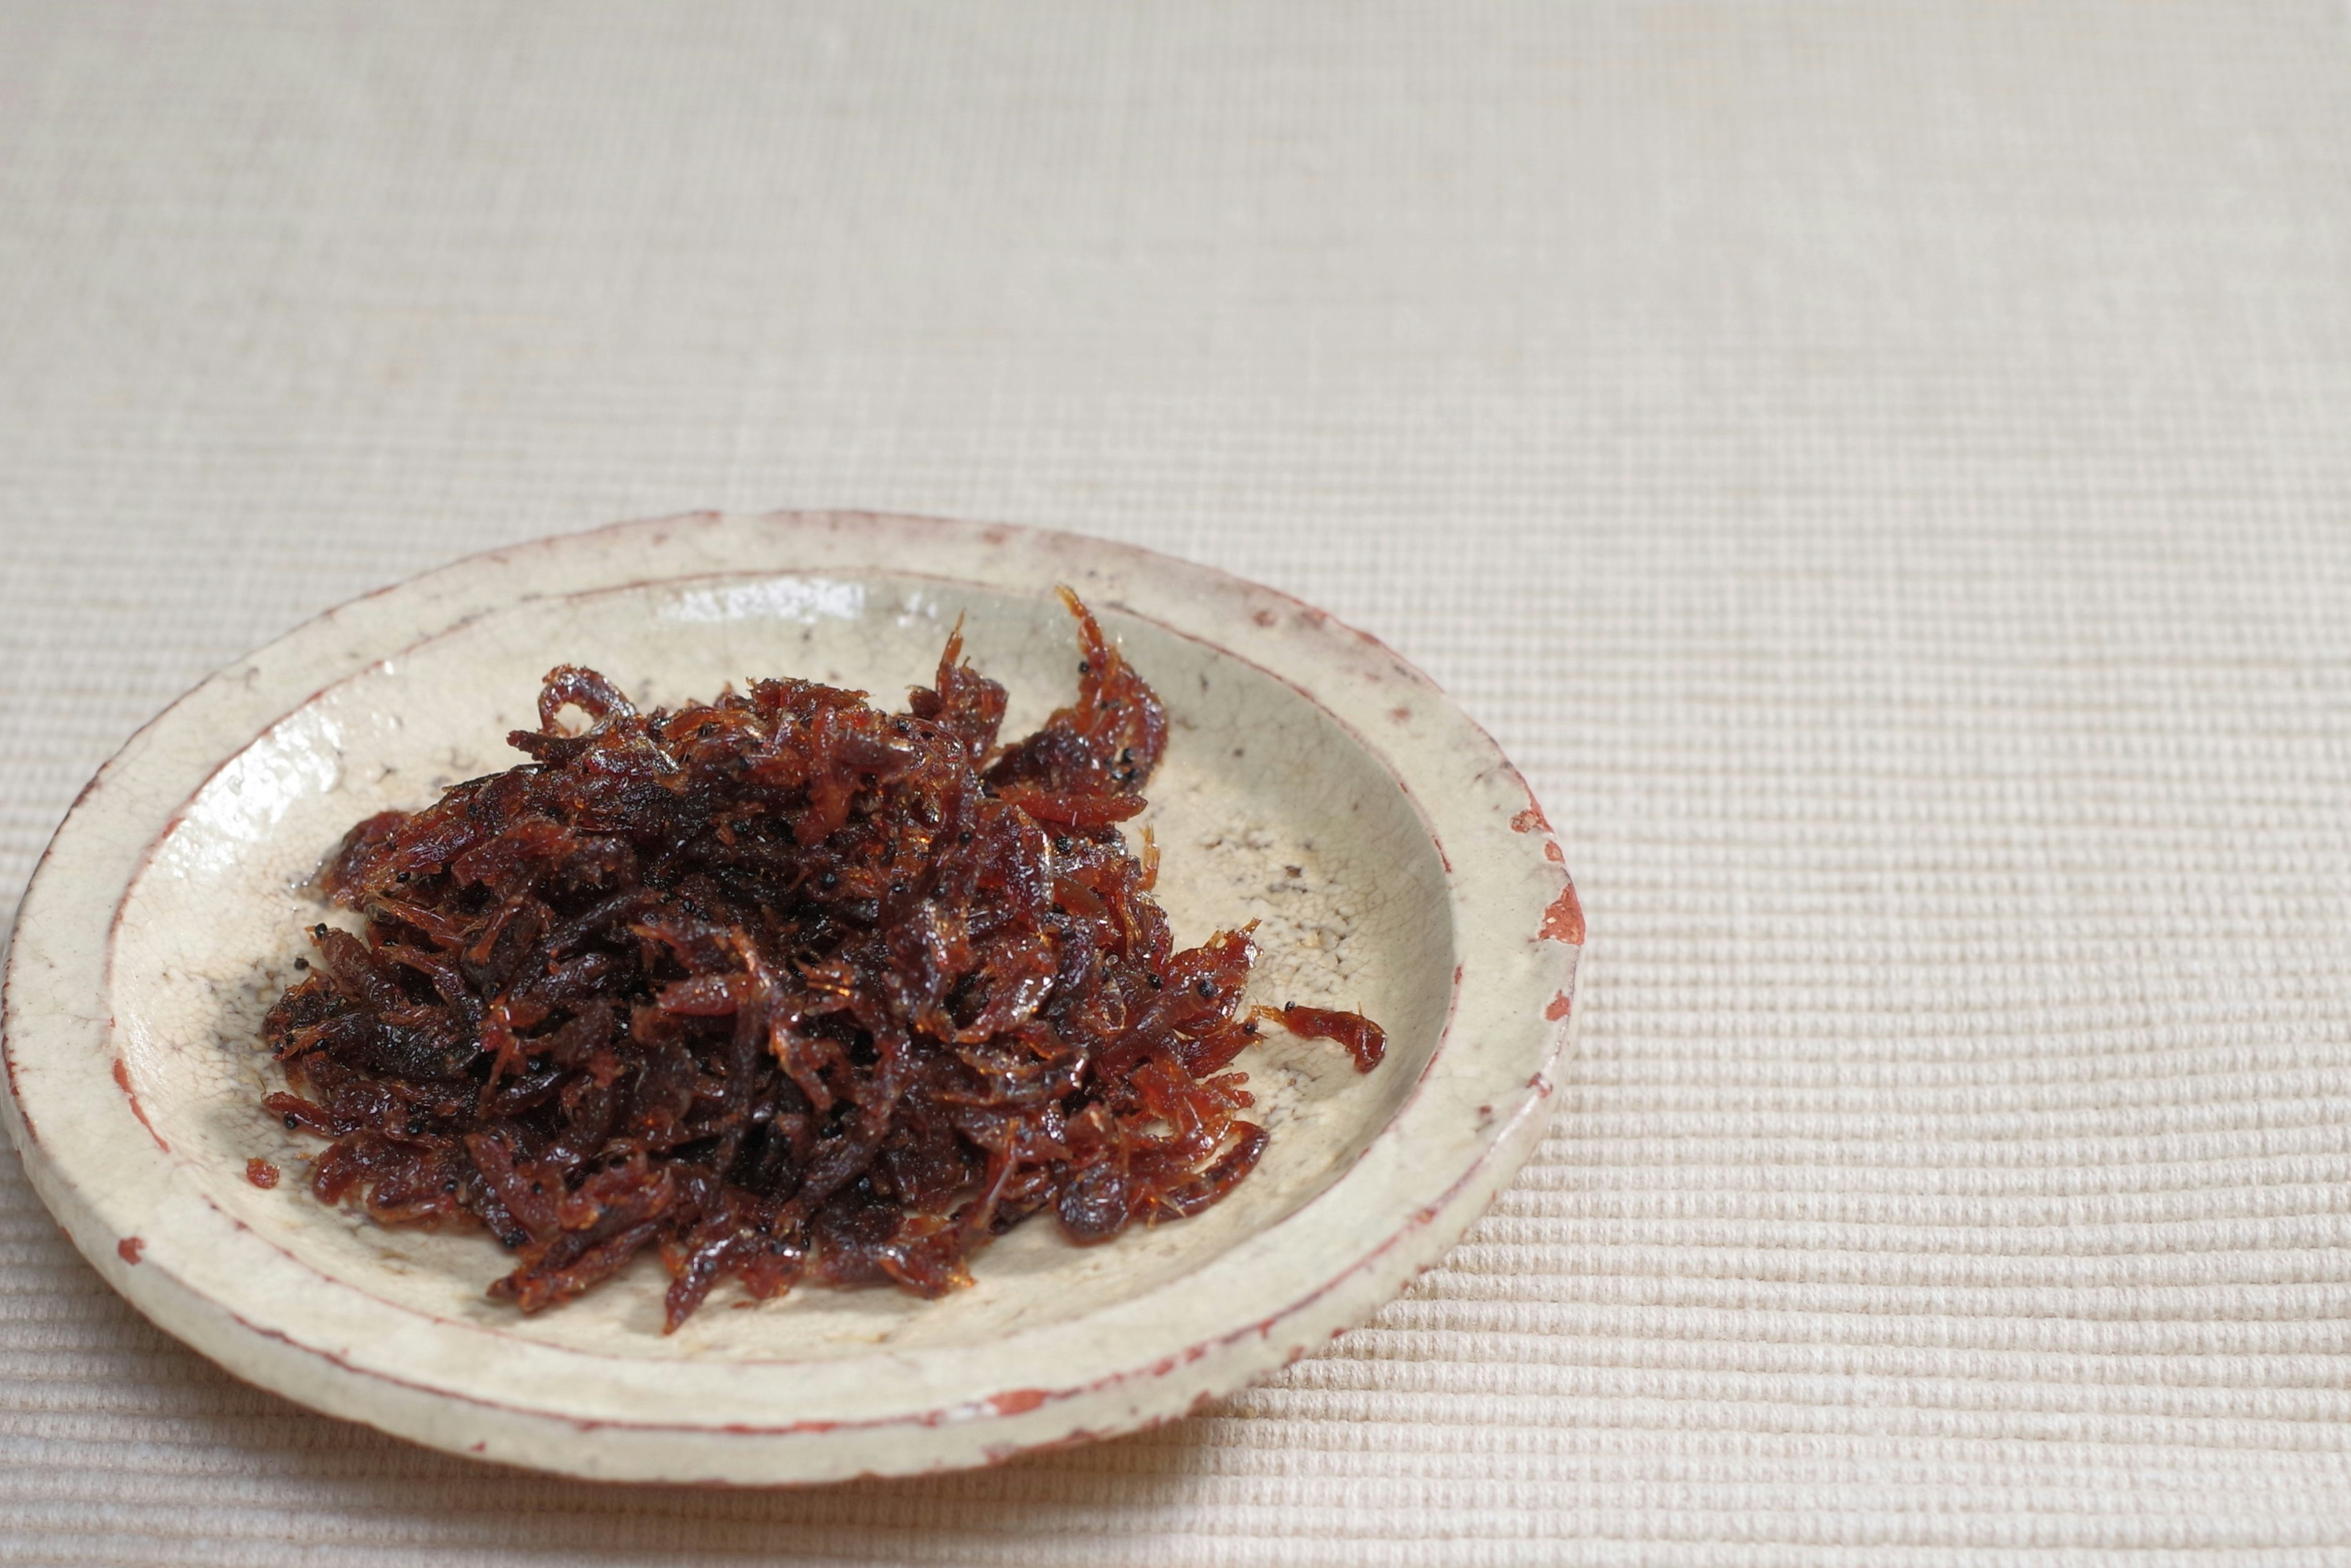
1205,986
292,1121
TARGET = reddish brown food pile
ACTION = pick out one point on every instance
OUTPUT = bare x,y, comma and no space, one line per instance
783,986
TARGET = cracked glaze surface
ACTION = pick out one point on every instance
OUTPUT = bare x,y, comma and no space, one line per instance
1382,843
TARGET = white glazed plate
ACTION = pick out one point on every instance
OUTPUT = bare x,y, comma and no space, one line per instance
1313,783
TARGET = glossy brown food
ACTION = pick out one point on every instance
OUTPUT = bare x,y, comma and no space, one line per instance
781,986
1365,1040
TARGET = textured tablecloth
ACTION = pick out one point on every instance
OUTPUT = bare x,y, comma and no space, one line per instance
1884,472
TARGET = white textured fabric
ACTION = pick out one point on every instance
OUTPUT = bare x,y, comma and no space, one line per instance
1884,470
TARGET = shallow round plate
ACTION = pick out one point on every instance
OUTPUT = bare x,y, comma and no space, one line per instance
1313,783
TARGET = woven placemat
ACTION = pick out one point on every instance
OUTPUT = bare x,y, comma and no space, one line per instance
1881,470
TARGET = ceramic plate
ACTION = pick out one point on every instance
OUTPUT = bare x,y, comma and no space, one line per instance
1313,783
